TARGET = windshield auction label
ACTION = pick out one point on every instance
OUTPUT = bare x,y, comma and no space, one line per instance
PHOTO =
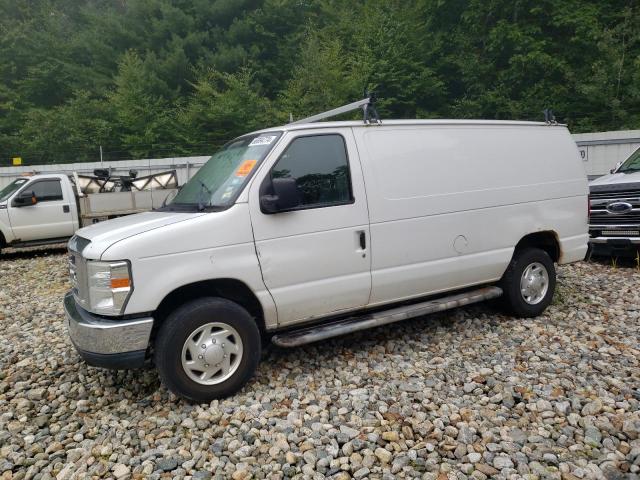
245,168
262,140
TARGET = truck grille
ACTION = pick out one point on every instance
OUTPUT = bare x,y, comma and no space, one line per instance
78,272
619,208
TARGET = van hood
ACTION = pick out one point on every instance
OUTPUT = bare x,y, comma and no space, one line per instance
616,179
102,235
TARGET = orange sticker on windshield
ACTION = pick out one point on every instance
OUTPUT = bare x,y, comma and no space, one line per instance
245,168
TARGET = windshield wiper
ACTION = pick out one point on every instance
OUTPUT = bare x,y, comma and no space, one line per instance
201,206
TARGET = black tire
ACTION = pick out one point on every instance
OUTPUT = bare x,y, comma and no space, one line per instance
513,300
182,324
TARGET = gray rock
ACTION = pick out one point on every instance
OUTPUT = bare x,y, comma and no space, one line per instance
469,387
120,471
631,428
501,461
592,408
348,431
361,473
474,457
592,436
383,455
563,407
465,435
309,457
358,444
167,464
202,475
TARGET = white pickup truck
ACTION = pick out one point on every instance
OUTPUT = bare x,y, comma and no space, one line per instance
48,208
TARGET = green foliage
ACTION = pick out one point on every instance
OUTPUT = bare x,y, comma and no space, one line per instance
171,77
144,117
72,131
322,79
222,106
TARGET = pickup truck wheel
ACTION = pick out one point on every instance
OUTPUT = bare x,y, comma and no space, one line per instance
529,283
206,349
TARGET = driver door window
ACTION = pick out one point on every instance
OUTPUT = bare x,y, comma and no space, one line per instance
320,166
46,190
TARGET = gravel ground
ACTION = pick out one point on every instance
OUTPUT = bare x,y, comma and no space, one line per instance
463,394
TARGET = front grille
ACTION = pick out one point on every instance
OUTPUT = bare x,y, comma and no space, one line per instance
603,211
600,218
78,276
618,195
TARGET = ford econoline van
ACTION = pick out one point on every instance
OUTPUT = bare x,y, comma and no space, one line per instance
307,231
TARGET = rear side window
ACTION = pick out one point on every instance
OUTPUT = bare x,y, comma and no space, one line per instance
46,190
320,167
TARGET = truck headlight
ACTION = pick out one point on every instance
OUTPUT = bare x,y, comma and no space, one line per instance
110,286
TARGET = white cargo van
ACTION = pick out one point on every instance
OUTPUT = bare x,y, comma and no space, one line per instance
312,230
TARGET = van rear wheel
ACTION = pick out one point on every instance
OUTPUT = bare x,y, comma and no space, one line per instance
208,348
529,283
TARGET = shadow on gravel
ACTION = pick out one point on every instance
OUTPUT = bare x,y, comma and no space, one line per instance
22,253
137,385
364,340
616,262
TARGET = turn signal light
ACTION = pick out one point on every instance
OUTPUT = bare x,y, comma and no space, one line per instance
120,283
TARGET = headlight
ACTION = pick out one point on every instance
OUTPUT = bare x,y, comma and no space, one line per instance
109,286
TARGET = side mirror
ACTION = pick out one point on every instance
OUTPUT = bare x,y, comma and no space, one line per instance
25,199
286,196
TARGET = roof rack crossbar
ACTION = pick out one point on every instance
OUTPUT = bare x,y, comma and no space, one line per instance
366,104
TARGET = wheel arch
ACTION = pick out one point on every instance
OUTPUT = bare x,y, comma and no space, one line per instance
546,240
227,288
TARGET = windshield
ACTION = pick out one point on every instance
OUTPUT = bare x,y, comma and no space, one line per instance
218,181
12,187
631,164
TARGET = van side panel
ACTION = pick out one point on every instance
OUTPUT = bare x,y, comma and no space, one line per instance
448,204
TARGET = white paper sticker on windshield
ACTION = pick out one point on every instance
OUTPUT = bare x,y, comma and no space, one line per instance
262,140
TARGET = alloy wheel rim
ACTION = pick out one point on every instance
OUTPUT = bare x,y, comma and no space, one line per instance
212,353
534,283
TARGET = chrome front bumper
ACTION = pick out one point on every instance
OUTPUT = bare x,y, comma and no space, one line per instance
98,338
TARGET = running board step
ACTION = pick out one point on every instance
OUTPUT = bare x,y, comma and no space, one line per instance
353,324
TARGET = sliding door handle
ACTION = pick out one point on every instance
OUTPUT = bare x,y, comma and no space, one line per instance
363,240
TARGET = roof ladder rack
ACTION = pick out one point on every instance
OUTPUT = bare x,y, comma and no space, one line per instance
366,104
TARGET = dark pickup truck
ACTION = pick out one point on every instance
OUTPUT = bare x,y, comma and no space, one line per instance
614,220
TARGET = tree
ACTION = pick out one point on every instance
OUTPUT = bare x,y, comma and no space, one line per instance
145,120
222,106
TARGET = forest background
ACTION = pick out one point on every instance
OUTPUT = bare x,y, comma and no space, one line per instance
160,78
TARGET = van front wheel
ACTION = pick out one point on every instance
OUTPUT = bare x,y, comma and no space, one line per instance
529,283
206,349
